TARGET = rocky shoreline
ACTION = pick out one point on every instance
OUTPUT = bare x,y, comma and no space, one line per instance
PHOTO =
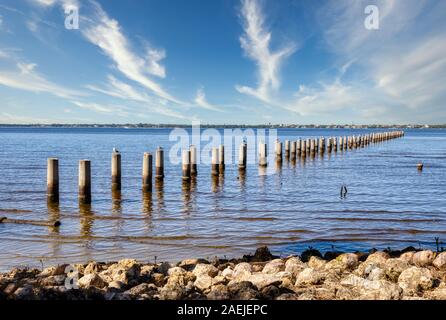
393,275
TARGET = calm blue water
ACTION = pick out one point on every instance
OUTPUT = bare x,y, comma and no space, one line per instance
389,202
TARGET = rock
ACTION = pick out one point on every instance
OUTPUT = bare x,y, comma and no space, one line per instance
146,271
47,272
118,285
294,266
261,280
274,266
423,258
373,289
10,288
60,269
440,261
172,292
24,293
218,292
205,269
325,293
92,267
316,263
394,267
407,256
378,258
262,254
124,271
243,290
307,254
203,282
227,273
309,276
287,296
176,270
270,292
189,264
241,270
415,279
163,268
158,279
143,288
53,281
349,261
376,273
437,294
91,280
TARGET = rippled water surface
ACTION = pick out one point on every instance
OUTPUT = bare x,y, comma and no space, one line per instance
389,203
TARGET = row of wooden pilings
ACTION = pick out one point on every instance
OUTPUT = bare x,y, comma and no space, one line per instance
293,149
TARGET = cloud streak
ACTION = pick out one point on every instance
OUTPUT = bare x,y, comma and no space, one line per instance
256,42
106,34
200,100
25,77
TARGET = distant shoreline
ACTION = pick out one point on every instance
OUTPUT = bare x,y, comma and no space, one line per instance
266,126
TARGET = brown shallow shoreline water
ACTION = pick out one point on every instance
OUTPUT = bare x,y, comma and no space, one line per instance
386,275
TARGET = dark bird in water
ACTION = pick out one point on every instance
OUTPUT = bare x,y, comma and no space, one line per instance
343,191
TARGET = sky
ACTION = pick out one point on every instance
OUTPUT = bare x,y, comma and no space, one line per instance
222,62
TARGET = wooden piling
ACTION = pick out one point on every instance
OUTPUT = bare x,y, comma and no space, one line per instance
263,162
116,171
186,165
221,158
287,149
299,147
147,172
193,160
52,180
215,162
303,148
293,150
242,156
312,146
85,182
278,149
321,145
159,164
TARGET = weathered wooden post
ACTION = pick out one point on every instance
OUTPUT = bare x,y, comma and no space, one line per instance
116,171
193,160
329,145
147,172
287,149
312,147
263,154
321,145
52,180
335,144
278,150
299,147
307,144
242,156
304,148
221,158
215,162
159,164
84,182
293,150
186,165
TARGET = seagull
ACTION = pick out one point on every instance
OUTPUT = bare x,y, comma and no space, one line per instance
115,150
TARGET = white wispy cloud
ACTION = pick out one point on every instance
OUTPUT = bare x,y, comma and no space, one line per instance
200,100
25,77
106,33
403,62
102,108
256,42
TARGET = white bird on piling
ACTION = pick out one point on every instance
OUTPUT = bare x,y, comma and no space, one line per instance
115,150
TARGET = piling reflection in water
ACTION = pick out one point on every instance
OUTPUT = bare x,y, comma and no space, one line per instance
87,219
116,202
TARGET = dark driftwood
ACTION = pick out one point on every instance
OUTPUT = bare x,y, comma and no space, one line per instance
33,222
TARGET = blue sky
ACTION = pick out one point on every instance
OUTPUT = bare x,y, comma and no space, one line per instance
223,62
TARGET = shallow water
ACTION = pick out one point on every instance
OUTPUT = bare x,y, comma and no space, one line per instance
389,203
